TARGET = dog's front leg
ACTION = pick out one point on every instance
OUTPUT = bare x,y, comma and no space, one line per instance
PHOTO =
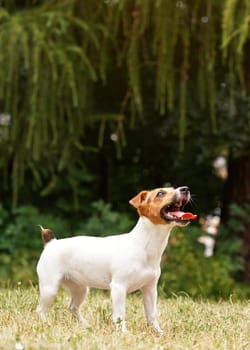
118,296
149,293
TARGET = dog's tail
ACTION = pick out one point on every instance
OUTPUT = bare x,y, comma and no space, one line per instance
47,234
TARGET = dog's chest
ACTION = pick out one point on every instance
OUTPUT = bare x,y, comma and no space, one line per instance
140,278
136,271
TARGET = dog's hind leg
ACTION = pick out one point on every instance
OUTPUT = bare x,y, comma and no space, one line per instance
47,295
78,294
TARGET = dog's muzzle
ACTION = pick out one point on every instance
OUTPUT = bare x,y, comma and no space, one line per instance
174,211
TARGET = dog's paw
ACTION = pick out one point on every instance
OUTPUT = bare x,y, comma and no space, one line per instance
41,314
84,323
120,326
156,327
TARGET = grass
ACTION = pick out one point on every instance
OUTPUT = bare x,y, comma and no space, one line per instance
187,324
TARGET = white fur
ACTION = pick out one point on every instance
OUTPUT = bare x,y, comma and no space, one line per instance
122,264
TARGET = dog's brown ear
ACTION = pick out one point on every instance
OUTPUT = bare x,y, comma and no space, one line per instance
138,199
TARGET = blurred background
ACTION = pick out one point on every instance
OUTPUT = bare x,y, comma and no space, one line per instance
100,99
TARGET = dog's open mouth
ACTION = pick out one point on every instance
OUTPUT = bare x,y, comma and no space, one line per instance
174,212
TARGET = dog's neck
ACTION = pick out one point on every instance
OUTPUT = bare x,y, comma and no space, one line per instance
153,238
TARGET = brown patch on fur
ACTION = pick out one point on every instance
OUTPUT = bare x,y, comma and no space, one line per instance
47,234
149,204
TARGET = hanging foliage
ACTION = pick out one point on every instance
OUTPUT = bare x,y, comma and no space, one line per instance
45,80
186,42
52,53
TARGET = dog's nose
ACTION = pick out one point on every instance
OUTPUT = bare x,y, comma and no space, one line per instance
184,189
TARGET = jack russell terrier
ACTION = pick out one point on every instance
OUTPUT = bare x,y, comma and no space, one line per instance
122,263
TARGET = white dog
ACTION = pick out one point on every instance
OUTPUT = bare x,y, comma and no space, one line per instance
122,263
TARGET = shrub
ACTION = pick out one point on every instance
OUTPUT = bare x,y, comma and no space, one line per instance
104,221
185,269
20,241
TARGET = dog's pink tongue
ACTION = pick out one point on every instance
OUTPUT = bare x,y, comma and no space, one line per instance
183,215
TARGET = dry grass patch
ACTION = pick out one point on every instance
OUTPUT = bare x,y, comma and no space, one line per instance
187,324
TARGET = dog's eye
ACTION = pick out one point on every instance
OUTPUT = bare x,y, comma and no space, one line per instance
160,194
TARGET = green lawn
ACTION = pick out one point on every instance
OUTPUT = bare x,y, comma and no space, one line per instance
187,324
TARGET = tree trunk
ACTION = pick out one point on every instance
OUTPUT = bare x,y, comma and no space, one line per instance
237,190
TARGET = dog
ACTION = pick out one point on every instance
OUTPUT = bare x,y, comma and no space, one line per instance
122,264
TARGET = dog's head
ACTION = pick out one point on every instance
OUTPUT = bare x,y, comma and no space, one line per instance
164,205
